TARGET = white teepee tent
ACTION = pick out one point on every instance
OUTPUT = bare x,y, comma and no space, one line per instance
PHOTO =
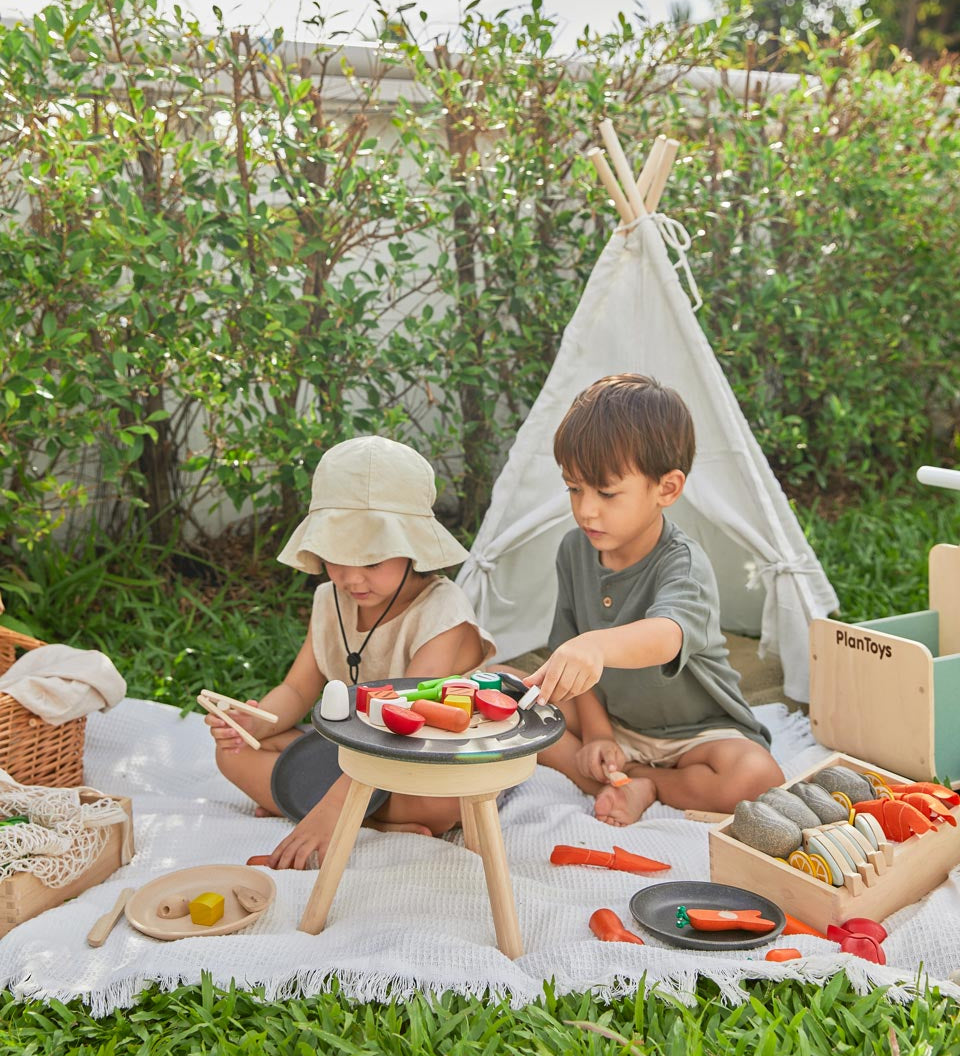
635,316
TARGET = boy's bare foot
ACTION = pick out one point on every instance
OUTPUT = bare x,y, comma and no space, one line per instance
624,805
398,826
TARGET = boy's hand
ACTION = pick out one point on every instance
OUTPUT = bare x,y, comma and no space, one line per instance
597,758
227,739
572,669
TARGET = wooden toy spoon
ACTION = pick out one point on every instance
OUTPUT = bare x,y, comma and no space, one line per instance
97,935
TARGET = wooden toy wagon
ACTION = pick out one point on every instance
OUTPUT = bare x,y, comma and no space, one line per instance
888,690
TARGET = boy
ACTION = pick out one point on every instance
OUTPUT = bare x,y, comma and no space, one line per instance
639,665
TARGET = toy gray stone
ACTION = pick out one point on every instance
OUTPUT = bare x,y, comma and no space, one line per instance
843,779
820,801
790,806
760,826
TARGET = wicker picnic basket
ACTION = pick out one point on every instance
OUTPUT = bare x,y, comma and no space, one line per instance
32,751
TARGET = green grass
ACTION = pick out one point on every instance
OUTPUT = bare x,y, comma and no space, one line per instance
775,1019
236,629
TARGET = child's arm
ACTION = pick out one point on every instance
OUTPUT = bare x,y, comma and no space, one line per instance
454,652
577,665
290,702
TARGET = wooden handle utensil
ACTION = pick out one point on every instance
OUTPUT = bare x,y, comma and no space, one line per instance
99,932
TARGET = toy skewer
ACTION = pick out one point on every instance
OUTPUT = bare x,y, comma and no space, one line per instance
237,705
205,702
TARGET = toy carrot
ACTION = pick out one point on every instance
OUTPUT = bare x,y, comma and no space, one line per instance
608,927
797,927
621,860
729,920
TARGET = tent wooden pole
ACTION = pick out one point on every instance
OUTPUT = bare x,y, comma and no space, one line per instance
670,148
609,181
651,166
622,167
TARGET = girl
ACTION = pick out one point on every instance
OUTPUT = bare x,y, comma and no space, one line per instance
382,614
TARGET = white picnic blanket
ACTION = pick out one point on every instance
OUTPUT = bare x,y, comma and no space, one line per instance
412,913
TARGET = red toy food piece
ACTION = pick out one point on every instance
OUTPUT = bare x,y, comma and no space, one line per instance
949,797
929,806
858,944
621,860
898,820
608,927
364,693
442,716
401,720
865,926
260,859
783,953
729,920
494,705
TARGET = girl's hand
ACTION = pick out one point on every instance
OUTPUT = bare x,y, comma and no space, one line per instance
597,758
227,739
310,835
572,669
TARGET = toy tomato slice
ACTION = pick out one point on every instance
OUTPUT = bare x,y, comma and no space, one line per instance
401,720
492,704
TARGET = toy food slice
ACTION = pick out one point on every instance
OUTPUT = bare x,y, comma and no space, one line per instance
816,846
618,778
442,716
401,720
729,920
494,705
783,953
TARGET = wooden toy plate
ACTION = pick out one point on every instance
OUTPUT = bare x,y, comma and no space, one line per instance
655,909
479,727
141,910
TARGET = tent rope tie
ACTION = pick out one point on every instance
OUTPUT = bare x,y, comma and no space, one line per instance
677,238
487,567
757,570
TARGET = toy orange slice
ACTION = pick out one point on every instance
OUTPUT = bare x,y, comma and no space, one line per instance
819,868
844,800
801,860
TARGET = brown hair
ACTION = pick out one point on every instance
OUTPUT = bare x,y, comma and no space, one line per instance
622,423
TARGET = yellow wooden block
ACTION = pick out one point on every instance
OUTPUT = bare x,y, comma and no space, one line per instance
455,700
206,909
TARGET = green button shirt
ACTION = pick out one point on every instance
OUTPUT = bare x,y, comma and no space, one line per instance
698,690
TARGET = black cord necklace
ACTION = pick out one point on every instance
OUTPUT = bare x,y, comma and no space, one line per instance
353,659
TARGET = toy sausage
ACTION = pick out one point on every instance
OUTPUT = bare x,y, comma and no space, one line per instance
442,716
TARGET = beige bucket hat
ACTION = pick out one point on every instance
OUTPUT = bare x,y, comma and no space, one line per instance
372,499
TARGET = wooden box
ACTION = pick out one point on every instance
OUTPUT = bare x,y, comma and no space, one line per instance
919,865
889,689
23,896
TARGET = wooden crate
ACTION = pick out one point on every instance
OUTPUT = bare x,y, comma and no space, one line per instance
889,689
23,896
919,865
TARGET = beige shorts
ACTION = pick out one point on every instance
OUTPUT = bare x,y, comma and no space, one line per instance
665,751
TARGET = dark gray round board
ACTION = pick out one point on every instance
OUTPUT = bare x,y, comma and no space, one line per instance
655,909
536,728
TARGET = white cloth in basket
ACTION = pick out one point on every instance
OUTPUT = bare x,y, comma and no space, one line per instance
60,683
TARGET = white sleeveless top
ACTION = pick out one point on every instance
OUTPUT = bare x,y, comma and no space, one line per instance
440,606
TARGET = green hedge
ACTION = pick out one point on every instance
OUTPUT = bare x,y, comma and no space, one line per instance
206,277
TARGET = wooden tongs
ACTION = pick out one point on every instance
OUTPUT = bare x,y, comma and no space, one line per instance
217,704
619,859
